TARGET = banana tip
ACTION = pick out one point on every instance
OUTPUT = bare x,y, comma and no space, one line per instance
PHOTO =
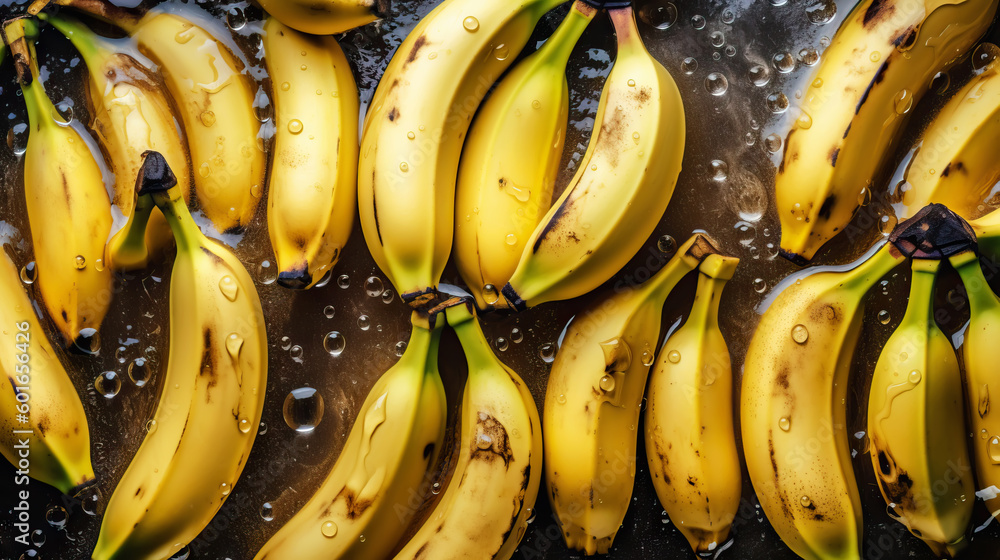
295,279
155,175
513,299
793,257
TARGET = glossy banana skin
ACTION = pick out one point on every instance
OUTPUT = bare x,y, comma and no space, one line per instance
326,17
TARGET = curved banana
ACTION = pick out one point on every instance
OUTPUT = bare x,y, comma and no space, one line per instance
501,194
414,131
690,439
312,185
326,17
622,187
54,434
211,398
69,212
593,399
485,509
131,115
917,428
877,67
981,376
355,515
793,412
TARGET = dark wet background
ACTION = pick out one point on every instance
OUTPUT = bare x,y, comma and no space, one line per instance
733,60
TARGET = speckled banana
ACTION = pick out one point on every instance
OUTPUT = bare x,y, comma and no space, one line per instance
312,188
917,428
877,67
326,17
211,399
416,126
593,399
503,195
69,212
793,412
491,494
690,439
355,514
981,377
131,115
58,442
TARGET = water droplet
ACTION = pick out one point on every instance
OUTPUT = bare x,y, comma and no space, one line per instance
361,538
229,287
225,489
400,347
883,317
295,126
773,143
717,38
716,84
887,224
800,334
490,294
38,537
631,83
388,296
940,83
404,167
984,57
88,341
666,244
658,14
263,429
784,423
547,352
647,358
286,343
150,425
484,441
267,512
759,285
617,354
501,52
822,12
805,501
364,322
244,424
236,18
344,281
516,336
607,383
56,517
983,434
28,273
79,262
759,75
501,344
108,384
777,102
207,118
903,102
720,170
471,24
783,62
140,372
804,121
698,22
994,449
296,352
303,409
674,357
689,65
914,377
373,286
561,399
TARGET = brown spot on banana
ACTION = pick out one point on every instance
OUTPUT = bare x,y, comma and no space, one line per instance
827,208
393,114
355,507
878,11
784,154
879,76
492,441
419,44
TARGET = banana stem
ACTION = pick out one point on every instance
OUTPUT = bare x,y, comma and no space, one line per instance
125,18
626,29
422,348
689,256
711,281
158,181
91,46
478,352
558,48
977,288
863,276
920,308
133,240
19,35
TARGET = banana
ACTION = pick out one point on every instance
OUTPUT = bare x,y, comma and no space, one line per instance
593,399
326,17
954,163
877,67
491,494
501,194
211,398
793,412
131,115
414,131
987,230
916,425
622,187
69,212
690,439
355,514
37,385
981,376
312,187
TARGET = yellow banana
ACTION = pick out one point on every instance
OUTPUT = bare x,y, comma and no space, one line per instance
593,399
200,436
622,187
877,67
414,131
326,17
485,509
916,425
312,187
354,515
69,212
501,194
690,439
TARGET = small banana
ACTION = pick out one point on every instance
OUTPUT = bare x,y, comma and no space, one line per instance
501,194
981,376
485,509
131,115
37,385
622,187
414,131
326,17
793,413
916,425
312,187
593,399
212,395
877,67
690,439
397,437
69,212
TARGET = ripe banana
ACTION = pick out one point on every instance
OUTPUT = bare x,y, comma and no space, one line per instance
312,186
38,386
131,115
326,17
981,375
211,398
878,66
593,399
793,412
916,425
690,439
501,194
414,132
485,509
622,187
355,514
69,211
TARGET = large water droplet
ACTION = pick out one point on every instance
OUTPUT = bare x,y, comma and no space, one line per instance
56,517
689,65
373,286
914,377
139,372
329,529
236,19
822,12
783,62
698,22
364,322
607,383
777,102
674,356
716,83
303,409
547,352
759,75
984,57
267,511
491,294
785,424
800,334
994,449
471,24
229,287
108,384
884,317
344,281
29,273
295,126
720,170
88,342
659,14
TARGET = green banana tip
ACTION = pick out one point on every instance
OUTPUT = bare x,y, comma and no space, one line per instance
155,175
